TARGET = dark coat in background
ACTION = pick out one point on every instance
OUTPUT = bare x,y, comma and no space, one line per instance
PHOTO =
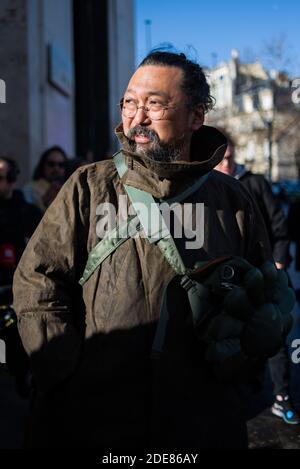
272,213
294,228
18,220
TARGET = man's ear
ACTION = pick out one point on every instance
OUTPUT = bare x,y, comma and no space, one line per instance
198,117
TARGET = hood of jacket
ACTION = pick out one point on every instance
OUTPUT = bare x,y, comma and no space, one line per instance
167,179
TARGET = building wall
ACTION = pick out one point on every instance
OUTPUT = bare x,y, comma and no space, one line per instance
37,113
59,106
121,56
51,112
14,71
246,108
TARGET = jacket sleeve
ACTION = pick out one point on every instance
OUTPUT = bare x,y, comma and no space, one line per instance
258,244
275,221
293,221
46,285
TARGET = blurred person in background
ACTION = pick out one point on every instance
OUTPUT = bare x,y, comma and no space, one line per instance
89,156
294,233
277,229
75,163
48,178
18,220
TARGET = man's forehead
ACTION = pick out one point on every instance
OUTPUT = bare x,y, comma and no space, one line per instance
149,92
156,79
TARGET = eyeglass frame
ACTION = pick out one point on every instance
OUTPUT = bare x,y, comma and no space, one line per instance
146,110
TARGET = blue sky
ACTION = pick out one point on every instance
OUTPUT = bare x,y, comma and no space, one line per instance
216,27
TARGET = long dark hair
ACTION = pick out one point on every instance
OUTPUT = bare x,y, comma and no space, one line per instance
39,169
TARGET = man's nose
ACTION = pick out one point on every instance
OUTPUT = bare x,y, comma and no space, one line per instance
141,117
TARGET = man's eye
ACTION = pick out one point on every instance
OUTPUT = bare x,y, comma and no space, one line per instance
129,101
155,103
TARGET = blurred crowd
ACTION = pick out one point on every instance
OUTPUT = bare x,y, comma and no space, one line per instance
21,210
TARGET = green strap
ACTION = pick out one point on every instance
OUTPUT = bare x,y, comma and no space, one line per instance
145,206
151,219
156,230
109,244
120,163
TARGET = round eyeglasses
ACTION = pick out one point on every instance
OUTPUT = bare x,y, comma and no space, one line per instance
155,111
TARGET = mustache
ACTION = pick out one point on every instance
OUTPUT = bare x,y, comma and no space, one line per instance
144,132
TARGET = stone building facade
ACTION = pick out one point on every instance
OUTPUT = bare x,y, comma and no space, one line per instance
63,68
257,110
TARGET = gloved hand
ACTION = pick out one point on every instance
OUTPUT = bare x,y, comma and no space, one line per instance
245,314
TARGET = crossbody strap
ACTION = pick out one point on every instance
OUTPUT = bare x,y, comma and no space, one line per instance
151,219
109,244
156,230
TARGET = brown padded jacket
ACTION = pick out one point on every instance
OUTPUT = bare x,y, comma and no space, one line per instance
95,341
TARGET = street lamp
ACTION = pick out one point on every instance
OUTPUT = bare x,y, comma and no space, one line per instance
268,119
270,142
266,109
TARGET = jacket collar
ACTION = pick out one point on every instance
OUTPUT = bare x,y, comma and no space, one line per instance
165,180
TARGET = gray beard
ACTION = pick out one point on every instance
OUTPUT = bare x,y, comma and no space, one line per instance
161,152
165,153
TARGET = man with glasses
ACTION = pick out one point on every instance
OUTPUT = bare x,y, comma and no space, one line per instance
48,178
112,371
